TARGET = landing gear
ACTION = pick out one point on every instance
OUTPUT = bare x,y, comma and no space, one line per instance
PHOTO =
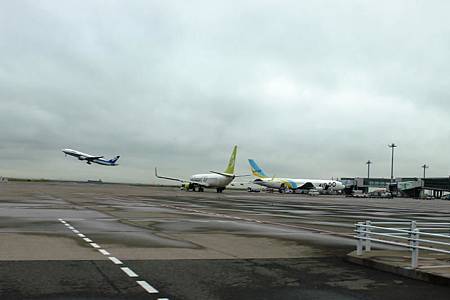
282,188
196,188
220,190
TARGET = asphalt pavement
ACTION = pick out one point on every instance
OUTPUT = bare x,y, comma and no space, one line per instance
105,241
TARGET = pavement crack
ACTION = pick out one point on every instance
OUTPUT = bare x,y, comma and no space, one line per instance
110,282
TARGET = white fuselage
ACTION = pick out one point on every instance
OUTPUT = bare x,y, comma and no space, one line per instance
85,156
294,184
76,153
212,180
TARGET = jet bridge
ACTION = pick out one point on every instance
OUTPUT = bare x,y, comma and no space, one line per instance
416,188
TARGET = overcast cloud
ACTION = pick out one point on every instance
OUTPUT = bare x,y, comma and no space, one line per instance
307,88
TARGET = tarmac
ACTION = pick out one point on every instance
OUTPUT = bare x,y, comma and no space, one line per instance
106,241
433,267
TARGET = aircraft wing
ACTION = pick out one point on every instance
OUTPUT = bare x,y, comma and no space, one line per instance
230,175
180,180
235,183
223,174
92,157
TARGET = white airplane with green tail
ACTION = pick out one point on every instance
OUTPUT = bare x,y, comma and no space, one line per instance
214,180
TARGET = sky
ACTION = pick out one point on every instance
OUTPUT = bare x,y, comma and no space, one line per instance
309,89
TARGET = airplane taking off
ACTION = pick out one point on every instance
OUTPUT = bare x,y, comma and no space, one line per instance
282,184
91,158
216,180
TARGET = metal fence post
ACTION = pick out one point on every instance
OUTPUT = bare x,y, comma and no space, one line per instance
415,249
367,236
359,241
412,245
413,226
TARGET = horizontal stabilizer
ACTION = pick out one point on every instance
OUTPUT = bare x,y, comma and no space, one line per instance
244,175
113,160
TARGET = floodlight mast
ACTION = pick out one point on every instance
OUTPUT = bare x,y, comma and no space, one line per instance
392,146
424,167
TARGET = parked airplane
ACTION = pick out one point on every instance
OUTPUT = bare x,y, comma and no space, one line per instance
216,180
91,158
283,184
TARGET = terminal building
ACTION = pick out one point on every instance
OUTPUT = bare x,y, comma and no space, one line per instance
403,186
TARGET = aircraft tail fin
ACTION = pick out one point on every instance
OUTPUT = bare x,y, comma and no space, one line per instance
231,162
114,159
256,170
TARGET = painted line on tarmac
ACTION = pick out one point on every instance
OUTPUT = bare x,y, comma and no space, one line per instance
321,231
147,287
144,284
115,260
104,252
96,246
129,272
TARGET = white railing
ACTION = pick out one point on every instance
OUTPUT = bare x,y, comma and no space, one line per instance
406,235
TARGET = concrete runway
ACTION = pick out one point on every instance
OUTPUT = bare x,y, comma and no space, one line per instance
104,241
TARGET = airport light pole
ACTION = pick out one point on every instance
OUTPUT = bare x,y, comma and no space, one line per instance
368,169
392,146
424,168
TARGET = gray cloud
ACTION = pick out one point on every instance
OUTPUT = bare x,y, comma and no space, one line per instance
308,89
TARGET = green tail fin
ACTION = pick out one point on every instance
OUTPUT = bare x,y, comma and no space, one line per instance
231,162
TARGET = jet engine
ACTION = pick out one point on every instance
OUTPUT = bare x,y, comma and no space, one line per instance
187,186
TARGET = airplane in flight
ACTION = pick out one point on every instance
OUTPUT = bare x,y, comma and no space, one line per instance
91,158
215,180
283,184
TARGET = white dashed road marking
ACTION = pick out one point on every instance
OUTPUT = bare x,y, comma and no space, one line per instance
104,252
95,245
147,287
129,272
144,284
115,260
